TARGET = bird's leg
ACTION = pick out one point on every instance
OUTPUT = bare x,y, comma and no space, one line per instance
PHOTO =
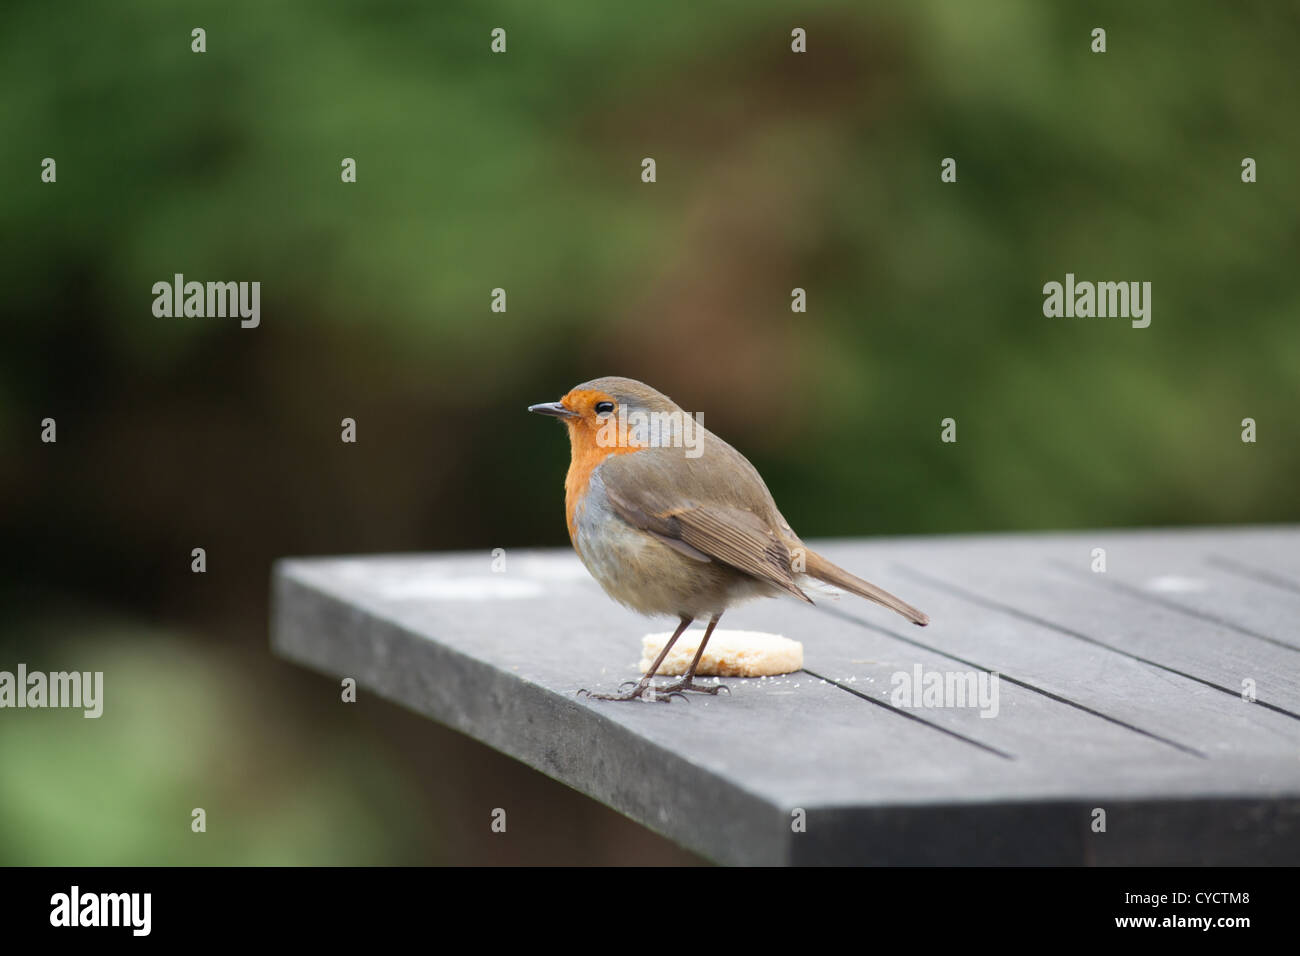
688,682
656,693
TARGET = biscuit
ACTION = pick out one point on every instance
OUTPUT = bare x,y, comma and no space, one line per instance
728,654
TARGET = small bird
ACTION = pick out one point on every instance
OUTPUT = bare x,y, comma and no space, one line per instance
670,519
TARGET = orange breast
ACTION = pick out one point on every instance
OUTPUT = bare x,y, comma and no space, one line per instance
587,454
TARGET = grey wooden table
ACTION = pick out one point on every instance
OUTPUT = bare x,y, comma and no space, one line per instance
1124,696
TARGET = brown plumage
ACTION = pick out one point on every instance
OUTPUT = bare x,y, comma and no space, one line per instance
677,521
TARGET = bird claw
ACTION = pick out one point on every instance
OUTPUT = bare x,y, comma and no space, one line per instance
661,695
712,689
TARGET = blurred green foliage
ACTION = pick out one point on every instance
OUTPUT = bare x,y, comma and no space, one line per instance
185,728
522,171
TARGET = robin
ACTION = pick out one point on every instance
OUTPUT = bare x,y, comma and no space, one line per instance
670,519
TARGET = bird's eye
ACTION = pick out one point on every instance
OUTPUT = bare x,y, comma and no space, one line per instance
604,408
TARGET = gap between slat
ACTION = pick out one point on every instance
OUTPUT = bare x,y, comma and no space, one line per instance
1070,632
1184,748
1137,592
910,716
1253,574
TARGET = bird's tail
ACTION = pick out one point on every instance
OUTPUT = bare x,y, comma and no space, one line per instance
818,567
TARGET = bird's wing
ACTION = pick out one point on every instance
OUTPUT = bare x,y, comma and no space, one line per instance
721,532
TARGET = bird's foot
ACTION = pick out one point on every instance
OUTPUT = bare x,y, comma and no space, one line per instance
689,684
641,691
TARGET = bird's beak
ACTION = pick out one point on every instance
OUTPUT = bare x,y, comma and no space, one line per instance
552,408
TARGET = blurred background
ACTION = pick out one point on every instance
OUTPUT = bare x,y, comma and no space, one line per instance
522,171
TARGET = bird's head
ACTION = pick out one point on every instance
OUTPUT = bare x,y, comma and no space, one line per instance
588,406
608,409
